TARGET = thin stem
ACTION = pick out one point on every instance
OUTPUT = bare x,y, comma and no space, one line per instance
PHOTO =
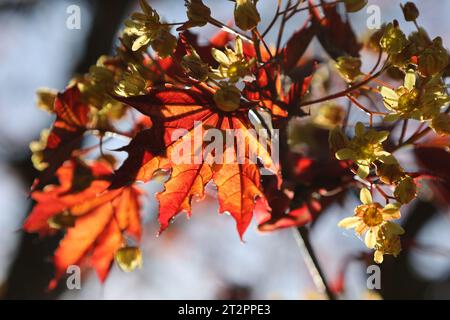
260,37
414,138
301,235
275,18
280,31
226,28
404,128
342,93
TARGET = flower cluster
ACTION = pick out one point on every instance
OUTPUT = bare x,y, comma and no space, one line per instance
375,221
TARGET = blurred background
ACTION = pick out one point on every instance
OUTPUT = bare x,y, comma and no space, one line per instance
202,258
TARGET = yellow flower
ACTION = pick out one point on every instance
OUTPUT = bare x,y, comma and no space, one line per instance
388,241
364,148
146,27
370,217
132,82
421,103
403,101
433,59
232,64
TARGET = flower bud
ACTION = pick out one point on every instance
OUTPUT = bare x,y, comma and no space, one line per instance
337,140
164,43
405,190
246,15
227,97
354,5
441,124
62,221
433,59
389,173
195,67
197,13
46,99
348,67
128,258
410,11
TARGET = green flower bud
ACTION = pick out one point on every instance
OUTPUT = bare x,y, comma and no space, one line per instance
62,221
128,258
433,59
246,15
197,13
227,97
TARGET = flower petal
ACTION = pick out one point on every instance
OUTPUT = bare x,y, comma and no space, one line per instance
390,98
363,171
365,196
349,222
220,57
371,238
410,80
345,154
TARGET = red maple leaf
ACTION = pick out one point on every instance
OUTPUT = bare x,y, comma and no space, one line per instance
99,218
334,34
66,132
171,109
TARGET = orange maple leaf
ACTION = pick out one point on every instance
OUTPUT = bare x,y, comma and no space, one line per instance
100,217
171,109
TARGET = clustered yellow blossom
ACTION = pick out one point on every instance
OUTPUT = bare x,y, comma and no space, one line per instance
375,221
422,103
148,30
132,82
365,148
233,65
